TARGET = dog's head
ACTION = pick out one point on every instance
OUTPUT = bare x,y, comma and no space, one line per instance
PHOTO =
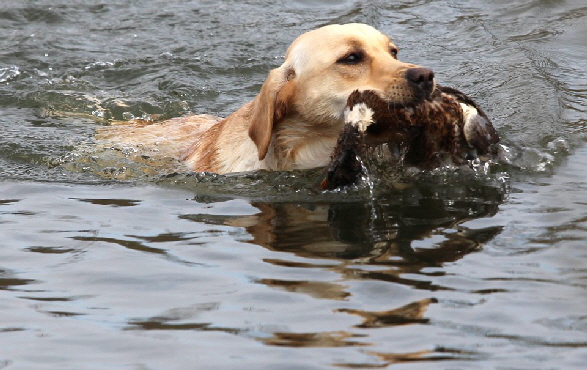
321,69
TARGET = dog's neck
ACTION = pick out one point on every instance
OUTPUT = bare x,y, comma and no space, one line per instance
297,144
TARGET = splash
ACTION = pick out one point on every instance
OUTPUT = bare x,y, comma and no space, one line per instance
366,177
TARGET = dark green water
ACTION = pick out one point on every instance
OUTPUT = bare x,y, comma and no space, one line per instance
110,264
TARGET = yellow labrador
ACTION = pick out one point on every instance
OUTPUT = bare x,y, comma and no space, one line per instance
295,120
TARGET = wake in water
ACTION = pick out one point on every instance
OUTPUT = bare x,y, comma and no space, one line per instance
447,140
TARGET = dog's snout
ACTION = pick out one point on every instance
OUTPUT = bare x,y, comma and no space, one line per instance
422,80
420,76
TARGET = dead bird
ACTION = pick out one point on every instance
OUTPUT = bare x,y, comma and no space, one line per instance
446,127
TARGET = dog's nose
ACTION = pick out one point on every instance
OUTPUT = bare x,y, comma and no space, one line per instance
422,80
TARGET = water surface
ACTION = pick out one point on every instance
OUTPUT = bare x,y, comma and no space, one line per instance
106,263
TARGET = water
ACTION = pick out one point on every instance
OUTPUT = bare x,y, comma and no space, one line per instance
106,263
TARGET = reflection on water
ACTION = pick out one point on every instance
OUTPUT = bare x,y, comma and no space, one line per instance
9,281
411,313
175,319
324,339
416,227
404,233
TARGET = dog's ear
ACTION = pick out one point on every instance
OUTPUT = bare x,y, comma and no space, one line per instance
271,106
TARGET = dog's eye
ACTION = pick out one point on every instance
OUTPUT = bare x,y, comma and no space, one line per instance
352,58
393,52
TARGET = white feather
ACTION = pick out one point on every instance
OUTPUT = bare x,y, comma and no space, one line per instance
360,116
